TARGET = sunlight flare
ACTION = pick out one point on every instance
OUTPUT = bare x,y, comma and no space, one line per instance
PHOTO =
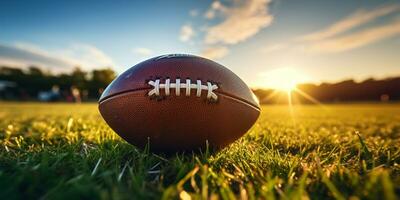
310,98
283,79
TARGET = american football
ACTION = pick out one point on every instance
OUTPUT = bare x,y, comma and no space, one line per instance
179,102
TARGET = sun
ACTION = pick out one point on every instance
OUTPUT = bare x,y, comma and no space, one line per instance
283,79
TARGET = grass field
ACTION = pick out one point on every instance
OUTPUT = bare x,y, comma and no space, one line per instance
60,151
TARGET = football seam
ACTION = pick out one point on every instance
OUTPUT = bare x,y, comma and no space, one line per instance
188,86
141,89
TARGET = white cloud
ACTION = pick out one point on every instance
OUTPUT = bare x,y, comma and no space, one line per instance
341,36
31,48
357,39
274,47
214,8
10,62
22,55
354,20
241,21
59,60
194,13
215,52
187,33
86,56
143,51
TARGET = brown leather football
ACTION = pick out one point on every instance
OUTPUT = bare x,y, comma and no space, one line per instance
179,102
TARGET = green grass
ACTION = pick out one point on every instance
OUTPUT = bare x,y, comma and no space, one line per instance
59,151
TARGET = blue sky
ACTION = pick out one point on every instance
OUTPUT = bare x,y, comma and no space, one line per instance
316,40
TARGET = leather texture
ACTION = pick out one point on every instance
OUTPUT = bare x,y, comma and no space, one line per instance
174,123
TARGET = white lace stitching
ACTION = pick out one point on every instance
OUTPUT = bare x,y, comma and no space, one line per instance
167,86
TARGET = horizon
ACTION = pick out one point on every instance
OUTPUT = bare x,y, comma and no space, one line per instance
264,42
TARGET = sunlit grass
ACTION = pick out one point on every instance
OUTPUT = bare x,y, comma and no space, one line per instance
67,151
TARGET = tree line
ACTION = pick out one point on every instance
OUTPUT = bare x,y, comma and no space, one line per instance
345,91
26,84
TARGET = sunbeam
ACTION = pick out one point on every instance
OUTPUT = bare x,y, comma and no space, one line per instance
270,96
290,103
308,97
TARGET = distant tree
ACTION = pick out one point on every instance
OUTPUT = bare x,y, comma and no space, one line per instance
33,80
89,85
17,76
100,78
35,71
79,78
11,72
